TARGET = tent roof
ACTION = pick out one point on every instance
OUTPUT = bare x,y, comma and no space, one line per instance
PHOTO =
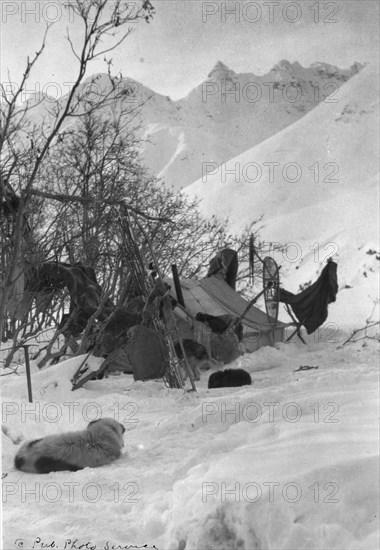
215,297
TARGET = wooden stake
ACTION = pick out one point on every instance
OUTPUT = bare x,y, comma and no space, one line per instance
28,375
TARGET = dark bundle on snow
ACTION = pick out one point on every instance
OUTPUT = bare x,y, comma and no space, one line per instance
229,378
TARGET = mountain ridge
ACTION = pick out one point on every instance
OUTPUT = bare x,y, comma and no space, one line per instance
229,113
225,115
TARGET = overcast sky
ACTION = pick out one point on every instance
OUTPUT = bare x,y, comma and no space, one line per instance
180,46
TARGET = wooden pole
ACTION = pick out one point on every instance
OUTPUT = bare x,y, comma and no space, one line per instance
251,303
28,375
177,286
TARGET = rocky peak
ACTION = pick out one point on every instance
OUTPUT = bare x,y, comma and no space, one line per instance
221,72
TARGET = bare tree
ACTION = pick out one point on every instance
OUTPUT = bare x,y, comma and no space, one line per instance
96,170
67,183
24,146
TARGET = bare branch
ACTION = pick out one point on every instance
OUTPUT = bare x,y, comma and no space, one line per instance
87,200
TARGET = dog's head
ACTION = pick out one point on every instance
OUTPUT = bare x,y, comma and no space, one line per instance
108,425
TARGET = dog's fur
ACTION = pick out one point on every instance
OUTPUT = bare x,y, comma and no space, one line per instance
229,378
99,444
197,357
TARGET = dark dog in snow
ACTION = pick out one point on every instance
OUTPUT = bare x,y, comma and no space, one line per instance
99,444
229,378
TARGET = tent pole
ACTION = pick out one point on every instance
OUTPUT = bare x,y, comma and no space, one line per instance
297,324
251,303
177,285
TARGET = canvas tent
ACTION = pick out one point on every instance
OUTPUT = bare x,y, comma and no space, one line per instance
215,297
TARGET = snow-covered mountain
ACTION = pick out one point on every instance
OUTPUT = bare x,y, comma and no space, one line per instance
316,183
229,113
225,115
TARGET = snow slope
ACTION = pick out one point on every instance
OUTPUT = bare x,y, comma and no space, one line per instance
316,184
229,113
288,463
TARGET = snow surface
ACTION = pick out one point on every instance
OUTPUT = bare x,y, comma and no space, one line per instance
298,450
333,213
